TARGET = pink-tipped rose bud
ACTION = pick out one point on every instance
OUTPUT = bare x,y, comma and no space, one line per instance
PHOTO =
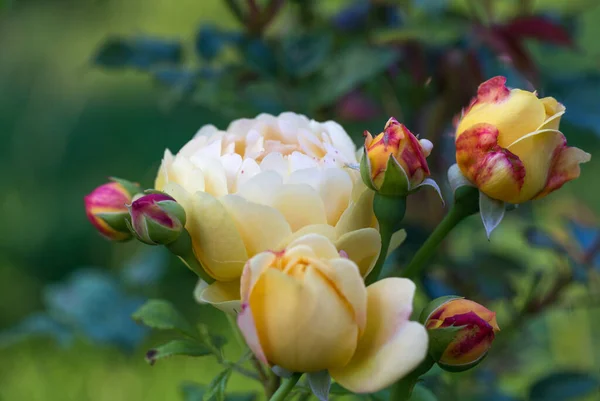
157,219
106,208
461,332
394,161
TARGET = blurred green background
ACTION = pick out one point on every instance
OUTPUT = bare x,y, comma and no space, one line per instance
69,119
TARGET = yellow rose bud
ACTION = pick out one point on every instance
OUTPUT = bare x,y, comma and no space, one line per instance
306,309
509,146
463,332
394,161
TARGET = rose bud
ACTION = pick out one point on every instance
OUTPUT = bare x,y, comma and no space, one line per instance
106,208
508,144
394,161
461,332
157,219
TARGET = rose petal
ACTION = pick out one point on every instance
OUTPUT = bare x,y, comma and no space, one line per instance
222,295
392,346
362,246
216,240
495,171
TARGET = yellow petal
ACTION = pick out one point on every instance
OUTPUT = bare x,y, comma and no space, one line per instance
222,295
536,152
343,274
300,205
215,238
252,271
358,215
362,247
302,325
516,116
321,229
554,111
322,247
261,227
392,346
335,190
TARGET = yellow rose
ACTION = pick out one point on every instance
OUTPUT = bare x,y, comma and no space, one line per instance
306,309
509,146
262,183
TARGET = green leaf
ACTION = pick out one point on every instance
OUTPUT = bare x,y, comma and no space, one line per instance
216,388
177,347
305,54
564,386
348,69
162,315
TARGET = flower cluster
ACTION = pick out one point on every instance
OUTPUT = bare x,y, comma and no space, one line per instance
285,232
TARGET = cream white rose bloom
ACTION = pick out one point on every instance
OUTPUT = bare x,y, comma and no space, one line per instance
262,183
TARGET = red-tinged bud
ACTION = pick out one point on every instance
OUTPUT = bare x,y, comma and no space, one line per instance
157,219
106,208
394,162
461,332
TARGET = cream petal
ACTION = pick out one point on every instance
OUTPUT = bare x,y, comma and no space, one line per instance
321,229
183,172
215,177
248,170
261,227
335,190
261,188
392,346
341,140
358,215
215,238
362,246
232,164
302,325
300,204
220,294
275,162
299,161
321,245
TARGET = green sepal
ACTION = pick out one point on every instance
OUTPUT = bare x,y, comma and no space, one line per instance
435,304
395,181
440,339
174,209
462,368
365,170
117,221
131,187
159,234
467,199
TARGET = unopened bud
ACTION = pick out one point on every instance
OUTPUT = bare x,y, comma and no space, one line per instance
106,208
157,219
461,332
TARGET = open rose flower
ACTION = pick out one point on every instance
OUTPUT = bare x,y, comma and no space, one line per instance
261,183
306,309
509,146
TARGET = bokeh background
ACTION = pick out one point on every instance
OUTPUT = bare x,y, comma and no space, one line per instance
97,88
